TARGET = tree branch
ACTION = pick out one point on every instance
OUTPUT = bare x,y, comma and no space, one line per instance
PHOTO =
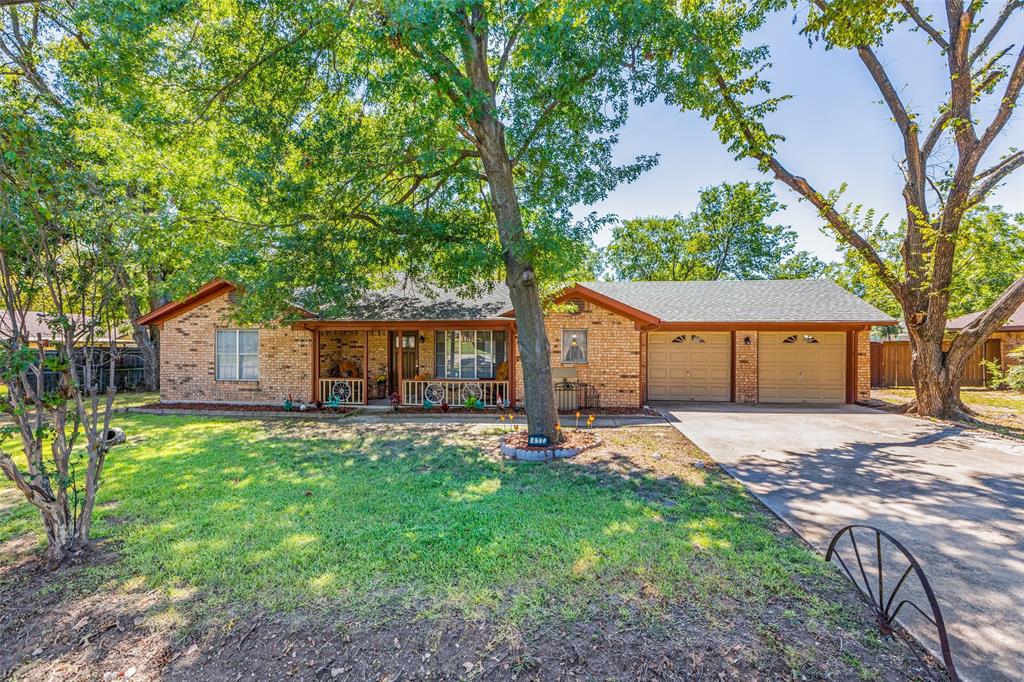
908,7
986,323
1008,9
991,177
804,188
1006,105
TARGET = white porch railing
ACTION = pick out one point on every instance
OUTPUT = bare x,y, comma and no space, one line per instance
348,391
454,391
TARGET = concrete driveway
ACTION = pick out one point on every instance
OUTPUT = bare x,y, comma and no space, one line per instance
953,497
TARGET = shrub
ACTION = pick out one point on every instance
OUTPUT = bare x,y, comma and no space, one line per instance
1013,376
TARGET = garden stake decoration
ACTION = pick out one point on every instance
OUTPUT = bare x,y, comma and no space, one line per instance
886,609
590,421
577,427
395,400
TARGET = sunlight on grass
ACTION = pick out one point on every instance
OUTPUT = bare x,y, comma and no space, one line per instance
285,517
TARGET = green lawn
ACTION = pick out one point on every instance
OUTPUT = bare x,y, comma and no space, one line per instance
246,511
374,520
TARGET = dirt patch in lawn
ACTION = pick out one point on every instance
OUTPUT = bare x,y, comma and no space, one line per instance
62,625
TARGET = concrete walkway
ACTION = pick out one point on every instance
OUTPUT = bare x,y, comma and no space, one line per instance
954,498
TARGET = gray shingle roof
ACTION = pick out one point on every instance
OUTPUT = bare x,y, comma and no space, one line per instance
409,301
787,300
792,300
1015,322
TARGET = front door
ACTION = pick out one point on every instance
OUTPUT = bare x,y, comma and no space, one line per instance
404,358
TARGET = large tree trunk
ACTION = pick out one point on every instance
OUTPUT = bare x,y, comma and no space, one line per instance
145,338
534,348
937,377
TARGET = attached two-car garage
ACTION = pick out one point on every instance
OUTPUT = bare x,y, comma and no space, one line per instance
792,366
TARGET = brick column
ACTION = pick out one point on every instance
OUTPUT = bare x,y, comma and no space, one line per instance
863,366
745,371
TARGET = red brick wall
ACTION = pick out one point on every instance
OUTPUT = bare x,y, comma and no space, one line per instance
613,354
188,356
1007,342
863,366
745,371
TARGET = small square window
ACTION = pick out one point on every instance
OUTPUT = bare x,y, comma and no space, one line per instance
574,346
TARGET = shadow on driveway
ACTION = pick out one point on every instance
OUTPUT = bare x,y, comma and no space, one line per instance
955,498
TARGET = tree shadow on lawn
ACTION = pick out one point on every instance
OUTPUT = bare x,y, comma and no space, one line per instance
366,548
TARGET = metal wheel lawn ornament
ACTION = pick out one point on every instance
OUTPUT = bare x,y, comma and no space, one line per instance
342,391
887,608
434,393
475,391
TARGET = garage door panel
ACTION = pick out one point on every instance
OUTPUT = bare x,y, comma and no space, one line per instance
802,367
682,368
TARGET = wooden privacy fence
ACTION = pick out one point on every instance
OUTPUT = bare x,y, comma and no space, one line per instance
890,364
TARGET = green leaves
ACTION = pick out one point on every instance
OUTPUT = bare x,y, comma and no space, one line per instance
726,237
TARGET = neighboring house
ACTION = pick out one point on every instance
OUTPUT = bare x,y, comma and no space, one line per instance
37,328
129,367
890,358
621,344
1008,337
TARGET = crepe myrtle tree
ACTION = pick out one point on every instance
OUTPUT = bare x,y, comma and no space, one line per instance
947,161
53,442
447,139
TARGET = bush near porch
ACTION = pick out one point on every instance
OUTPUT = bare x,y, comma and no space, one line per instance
358,544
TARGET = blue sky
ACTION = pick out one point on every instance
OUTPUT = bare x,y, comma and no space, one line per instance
837,130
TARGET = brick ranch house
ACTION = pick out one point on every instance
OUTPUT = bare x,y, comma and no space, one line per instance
619,344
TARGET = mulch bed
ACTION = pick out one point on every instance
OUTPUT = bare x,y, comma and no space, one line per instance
227,407
519,412
571,439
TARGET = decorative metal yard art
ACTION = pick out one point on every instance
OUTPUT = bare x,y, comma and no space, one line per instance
435,393
342,391
886,609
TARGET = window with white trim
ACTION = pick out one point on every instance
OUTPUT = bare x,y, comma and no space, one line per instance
574,346
468,353
238,355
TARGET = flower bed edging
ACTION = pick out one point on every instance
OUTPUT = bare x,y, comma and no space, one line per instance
543,454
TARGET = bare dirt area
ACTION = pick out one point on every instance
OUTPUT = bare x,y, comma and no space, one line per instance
997,411
91,620
115,633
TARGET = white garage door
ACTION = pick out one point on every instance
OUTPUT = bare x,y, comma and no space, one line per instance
801,367
688,365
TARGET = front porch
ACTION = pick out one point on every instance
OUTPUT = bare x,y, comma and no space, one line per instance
448,363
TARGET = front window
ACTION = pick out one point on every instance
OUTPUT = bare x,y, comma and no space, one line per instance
238,355
468,354
574,346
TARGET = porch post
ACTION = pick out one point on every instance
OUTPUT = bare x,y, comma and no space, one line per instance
400,337
366,367
511,397
316,365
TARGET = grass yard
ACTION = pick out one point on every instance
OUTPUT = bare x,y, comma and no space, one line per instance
996,410
320,551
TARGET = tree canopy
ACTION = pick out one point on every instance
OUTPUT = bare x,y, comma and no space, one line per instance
728,236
